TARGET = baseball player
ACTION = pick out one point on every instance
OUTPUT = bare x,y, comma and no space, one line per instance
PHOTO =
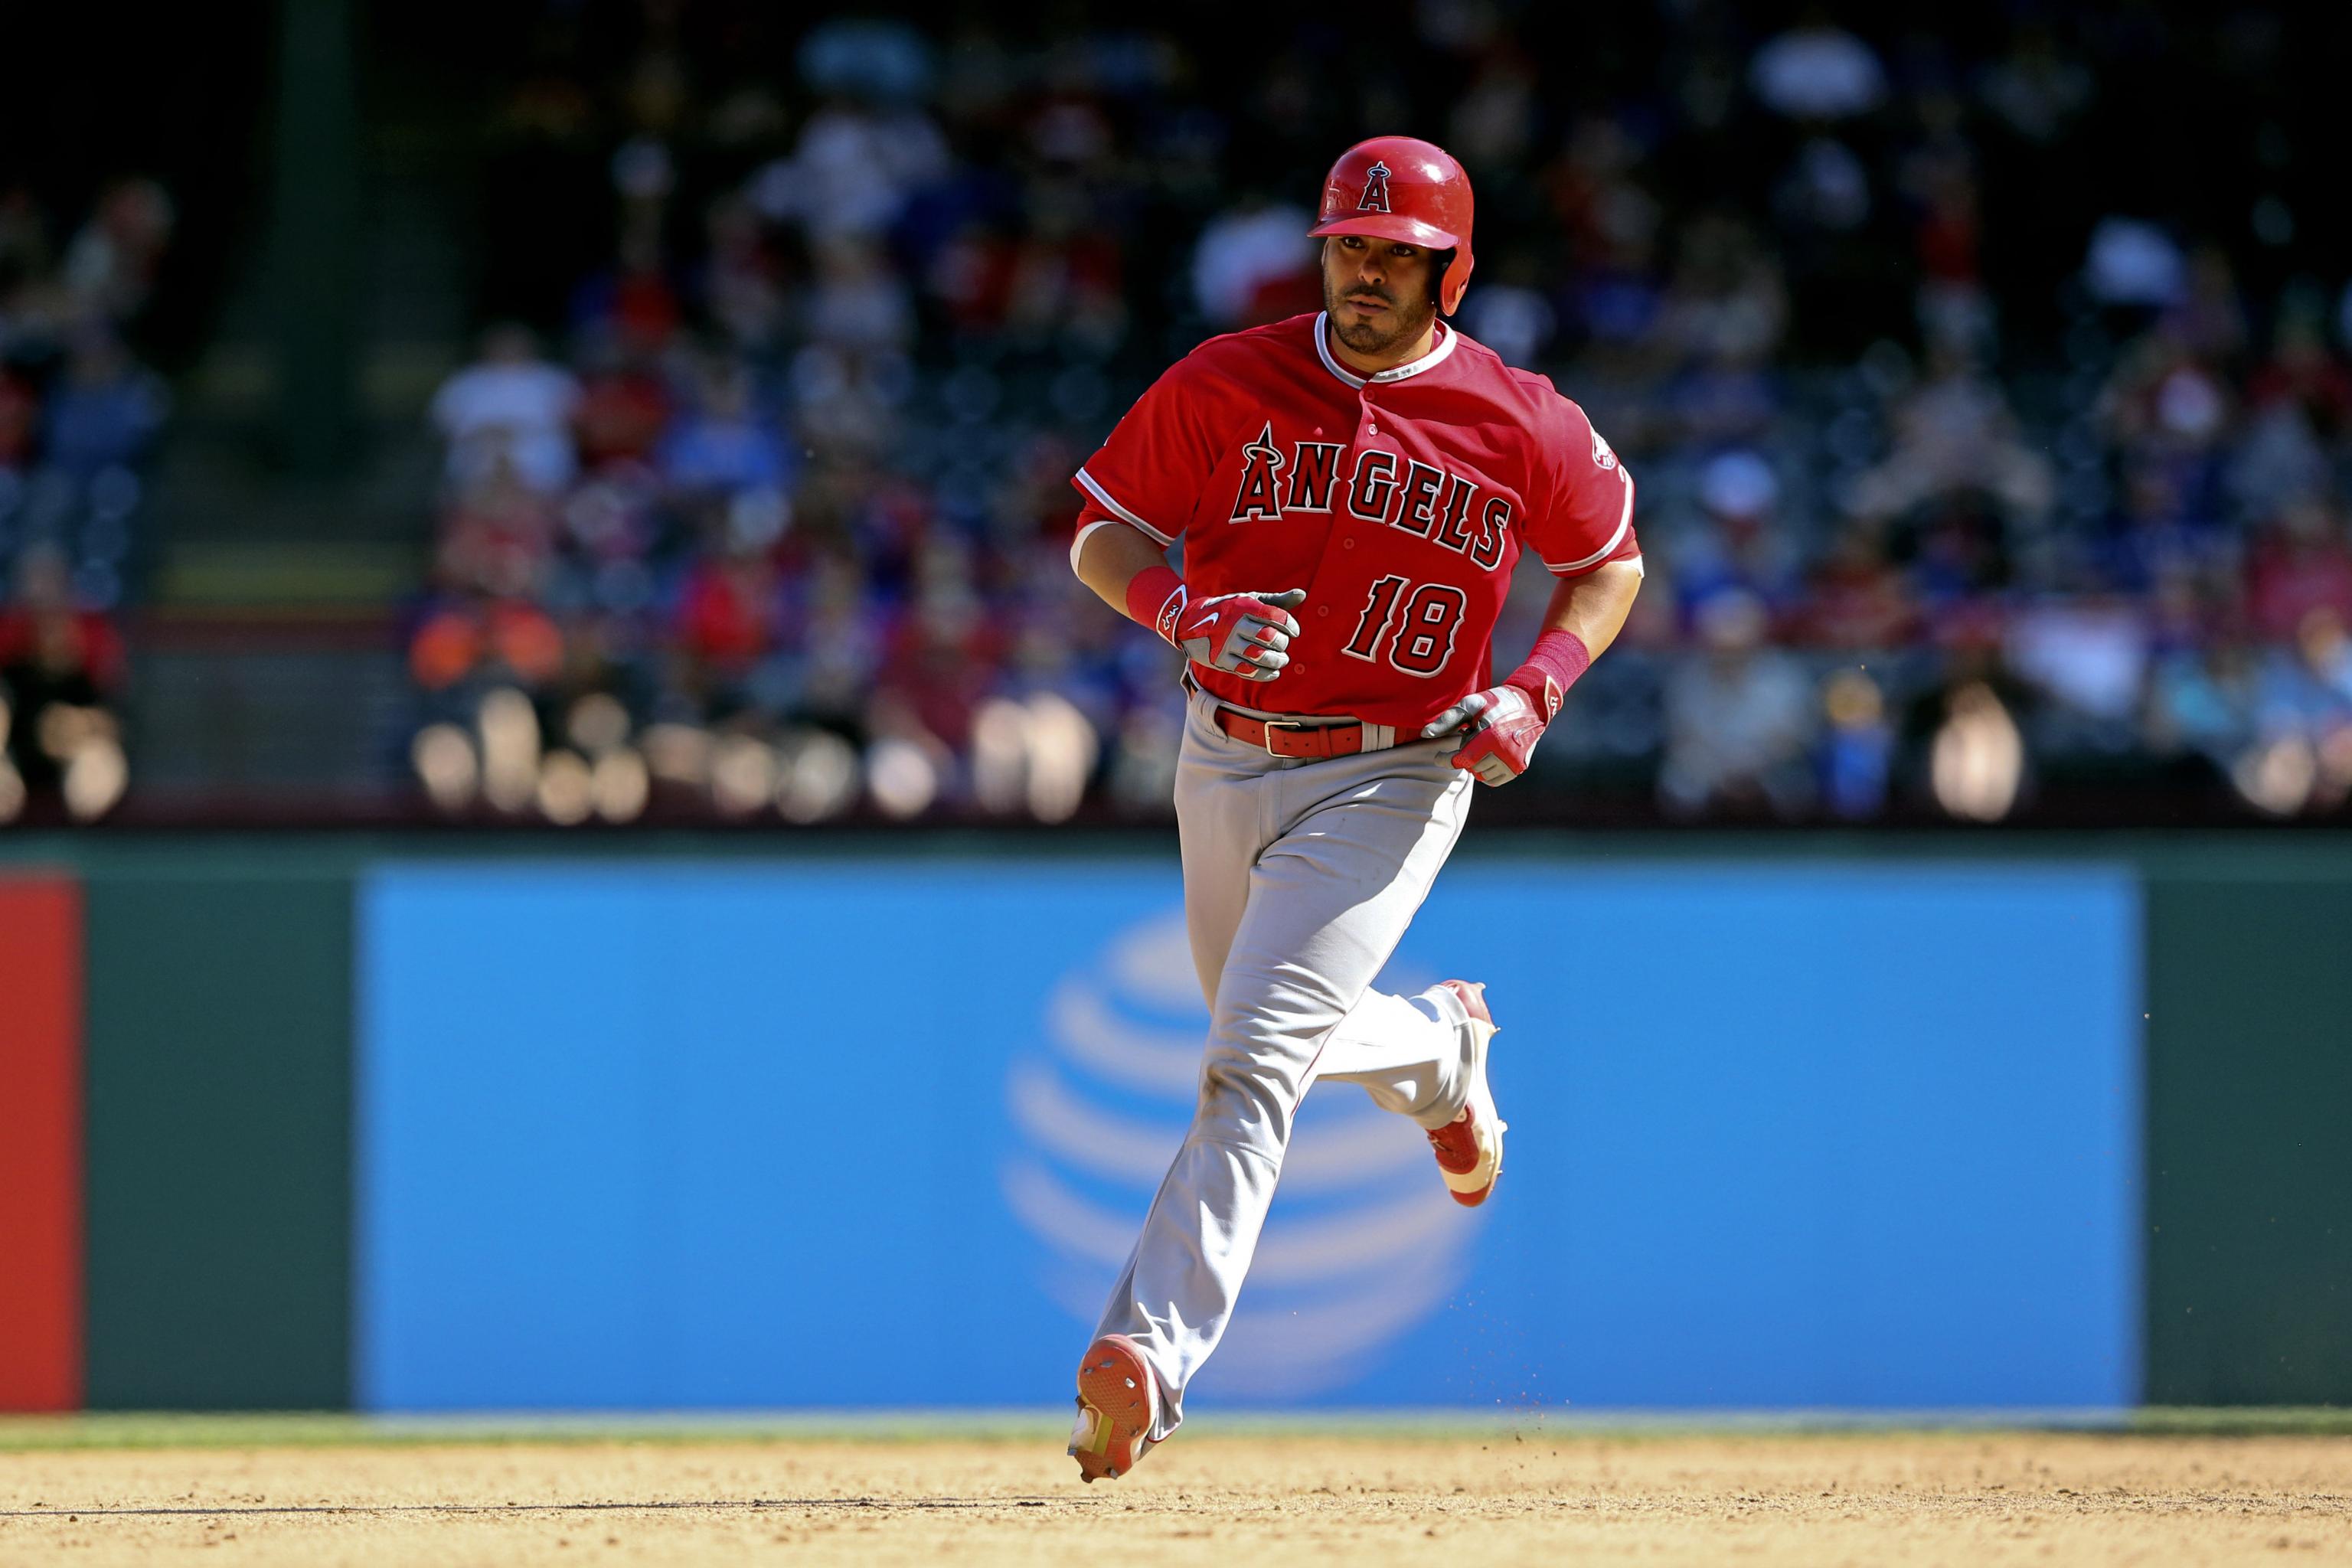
1351,490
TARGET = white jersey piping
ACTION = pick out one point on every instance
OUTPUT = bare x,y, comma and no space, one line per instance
1624,522
1104,496
1447,337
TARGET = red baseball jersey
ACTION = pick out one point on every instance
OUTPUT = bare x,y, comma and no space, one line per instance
1400,501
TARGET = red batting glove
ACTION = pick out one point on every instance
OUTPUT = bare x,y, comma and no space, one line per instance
1243,635
1511,719
1504,739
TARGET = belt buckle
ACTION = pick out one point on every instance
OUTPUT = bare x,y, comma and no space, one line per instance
1266,739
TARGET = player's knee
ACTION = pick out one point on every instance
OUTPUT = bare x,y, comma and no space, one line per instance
1262,1055
1248,1103
1235,1073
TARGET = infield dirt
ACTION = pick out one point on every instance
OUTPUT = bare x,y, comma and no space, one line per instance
1814,1498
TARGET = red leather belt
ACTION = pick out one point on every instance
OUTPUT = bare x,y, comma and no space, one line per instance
1292,738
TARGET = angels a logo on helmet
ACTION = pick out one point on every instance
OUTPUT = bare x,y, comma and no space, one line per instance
1376,190
1260,495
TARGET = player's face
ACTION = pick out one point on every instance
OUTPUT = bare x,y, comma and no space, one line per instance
1378,291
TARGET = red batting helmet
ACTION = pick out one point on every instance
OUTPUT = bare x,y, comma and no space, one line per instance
1400,188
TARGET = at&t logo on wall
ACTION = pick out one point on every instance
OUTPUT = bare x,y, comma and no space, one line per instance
1363,1242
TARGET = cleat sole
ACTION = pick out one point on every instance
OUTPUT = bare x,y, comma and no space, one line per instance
1114,1398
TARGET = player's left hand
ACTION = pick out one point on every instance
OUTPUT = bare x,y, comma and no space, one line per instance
1504,727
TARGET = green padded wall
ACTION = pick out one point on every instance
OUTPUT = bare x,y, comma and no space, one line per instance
219,1046
2250,1137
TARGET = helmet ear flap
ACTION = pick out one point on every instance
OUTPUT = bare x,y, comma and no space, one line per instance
1440,263
1455,279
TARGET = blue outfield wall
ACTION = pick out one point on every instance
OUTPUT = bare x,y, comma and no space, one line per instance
852,1133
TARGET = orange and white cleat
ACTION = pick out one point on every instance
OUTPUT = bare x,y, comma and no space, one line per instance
1470,1147
1118,1401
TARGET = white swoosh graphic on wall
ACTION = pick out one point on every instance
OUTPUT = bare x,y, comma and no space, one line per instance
1291,1252
1154,963
1094,1140
1320,1249
1102,1144
1066,1220
1269,1349
1096,1038
1354,1153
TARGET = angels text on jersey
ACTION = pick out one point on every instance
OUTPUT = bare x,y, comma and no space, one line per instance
1381,486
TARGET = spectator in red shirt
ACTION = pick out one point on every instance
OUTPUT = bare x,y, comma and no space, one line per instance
20,417
732,615
1856,599
2302,564
2302,371
623,409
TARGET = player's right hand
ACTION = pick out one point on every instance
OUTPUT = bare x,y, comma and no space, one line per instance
1240,634
1500,727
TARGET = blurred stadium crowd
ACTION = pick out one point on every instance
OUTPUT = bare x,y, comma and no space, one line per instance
79,416
1992,411
1948,500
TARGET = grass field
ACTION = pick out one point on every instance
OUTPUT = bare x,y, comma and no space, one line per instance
2169,1488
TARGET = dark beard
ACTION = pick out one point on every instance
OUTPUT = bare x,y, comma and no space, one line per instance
1412,320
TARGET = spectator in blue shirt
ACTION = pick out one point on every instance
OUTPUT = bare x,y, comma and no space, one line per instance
725,445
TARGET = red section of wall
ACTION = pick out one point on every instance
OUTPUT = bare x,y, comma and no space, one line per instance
40,1144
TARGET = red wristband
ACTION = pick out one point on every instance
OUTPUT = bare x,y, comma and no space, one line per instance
1552,666
1155,597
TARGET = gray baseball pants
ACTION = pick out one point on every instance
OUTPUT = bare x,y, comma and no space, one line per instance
1300,875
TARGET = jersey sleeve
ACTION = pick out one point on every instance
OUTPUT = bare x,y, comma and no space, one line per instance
1091,516
1588,520
1156,461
